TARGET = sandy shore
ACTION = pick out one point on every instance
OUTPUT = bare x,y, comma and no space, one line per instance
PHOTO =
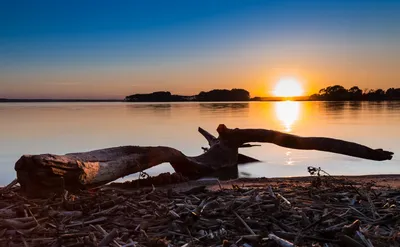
391,180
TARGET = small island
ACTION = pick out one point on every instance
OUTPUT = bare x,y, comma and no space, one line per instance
213,95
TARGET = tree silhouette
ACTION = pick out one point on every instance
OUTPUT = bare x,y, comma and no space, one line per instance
235,94
338,92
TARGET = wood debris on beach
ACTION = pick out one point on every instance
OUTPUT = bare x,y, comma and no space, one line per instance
315,211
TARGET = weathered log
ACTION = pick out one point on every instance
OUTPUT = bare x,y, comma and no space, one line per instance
51,173
212,140
46,172
237,137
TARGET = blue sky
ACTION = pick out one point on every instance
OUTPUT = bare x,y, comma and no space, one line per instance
109,49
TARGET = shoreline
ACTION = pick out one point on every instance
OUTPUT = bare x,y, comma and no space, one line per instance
392,180
380,179
298,211
188,101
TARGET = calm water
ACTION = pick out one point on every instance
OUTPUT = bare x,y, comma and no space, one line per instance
33,128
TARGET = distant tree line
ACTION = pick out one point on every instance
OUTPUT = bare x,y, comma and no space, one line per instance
213,95
155,97
224,95
338,92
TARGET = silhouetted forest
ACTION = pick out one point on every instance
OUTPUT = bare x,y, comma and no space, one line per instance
338,92
161,96
224,95
4,100
213,95
331,93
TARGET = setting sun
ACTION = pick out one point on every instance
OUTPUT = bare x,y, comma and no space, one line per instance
288,87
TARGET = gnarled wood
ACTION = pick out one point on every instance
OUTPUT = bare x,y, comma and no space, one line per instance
79,170
237,137
51,173
242,159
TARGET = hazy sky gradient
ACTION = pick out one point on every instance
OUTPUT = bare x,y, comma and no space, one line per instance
109,49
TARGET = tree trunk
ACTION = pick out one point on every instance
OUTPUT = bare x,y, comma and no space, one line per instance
53,173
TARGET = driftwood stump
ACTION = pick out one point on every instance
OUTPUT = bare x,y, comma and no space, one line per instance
46,173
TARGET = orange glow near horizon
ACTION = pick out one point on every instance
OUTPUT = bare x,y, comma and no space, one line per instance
288,87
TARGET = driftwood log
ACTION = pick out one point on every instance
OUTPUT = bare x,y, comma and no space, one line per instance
53,173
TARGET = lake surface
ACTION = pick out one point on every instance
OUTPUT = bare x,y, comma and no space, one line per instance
34,128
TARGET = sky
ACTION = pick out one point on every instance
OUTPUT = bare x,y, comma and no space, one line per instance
110,49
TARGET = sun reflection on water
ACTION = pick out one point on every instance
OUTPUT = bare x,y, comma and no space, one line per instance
288,113
289,160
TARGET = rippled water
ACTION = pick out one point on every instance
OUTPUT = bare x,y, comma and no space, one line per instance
33,128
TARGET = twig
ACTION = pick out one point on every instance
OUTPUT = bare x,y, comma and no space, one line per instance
286,201
106,211
130,244
366,241
280,224
372,206
14,224
317,222
271,192
245,224
98,220
74,235
9,186
100,229
109,237
24,241
355,210
29,210
280,241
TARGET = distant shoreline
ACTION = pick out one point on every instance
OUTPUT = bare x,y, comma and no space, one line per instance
331,93
56,100
122,101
